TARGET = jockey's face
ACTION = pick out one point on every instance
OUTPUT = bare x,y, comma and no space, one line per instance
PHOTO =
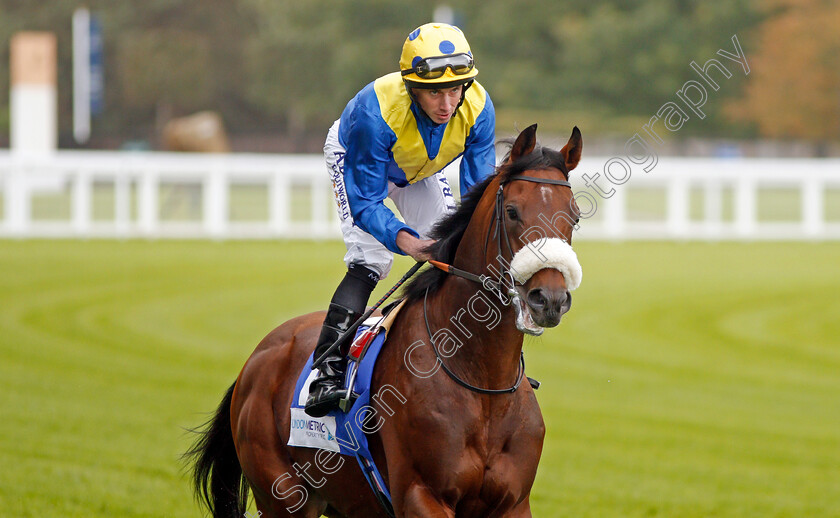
439,105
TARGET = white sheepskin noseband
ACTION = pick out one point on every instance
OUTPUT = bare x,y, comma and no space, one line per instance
547,253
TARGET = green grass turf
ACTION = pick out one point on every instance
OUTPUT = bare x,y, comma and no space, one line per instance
689,380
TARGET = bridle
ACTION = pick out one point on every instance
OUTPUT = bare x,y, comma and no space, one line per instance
505,280
504,276
501,231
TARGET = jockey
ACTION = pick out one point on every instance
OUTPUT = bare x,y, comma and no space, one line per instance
393,140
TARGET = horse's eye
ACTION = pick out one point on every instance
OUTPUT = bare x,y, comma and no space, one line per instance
512,213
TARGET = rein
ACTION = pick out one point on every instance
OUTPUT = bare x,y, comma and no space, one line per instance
455,377
352,329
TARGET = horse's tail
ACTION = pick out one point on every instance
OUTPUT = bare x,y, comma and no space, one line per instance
217,476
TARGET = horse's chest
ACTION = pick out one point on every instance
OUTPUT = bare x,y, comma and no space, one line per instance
493,475
495,460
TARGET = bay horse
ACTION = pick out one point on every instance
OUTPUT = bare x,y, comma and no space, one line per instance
455,432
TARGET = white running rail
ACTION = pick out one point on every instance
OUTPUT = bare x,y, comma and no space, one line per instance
135,181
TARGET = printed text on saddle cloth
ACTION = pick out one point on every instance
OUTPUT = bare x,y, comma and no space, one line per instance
547,253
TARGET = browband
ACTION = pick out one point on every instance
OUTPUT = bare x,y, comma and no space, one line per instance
564,183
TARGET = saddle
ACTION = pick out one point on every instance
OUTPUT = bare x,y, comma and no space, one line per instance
368,331
344,431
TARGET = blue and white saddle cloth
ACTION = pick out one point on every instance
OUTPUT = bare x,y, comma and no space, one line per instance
344,432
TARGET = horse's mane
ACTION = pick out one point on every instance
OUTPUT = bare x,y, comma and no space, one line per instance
449,230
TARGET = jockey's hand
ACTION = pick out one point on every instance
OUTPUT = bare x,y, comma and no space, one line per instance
413,246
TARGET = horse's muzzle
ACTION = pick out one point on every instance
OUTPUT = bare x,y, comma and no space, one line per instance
548,306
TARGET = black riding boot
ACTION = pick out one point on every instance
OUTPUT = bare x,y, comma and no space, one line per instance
348,303
325,390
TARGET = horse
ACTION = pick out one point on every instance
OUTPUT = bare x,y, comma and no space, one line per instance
452,427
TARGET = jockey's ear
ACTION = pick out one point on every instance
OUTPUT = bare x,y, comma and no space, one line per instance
572,150
525,143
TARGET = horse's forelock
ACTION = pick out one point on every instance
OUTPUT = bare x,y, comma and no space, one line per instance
539,158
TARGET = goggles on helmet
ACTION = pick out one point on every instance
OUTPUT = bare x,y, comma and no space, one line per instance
435,67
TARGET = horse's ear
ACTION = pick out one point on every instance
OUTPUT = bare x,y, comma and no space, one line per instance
525,143
572,150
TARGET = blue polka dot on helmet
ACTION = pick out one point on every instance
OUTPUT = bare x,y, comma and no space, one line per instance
435,40
447,47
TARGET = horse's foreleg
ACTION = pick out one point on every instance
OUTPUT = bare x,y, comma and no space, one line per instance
419,502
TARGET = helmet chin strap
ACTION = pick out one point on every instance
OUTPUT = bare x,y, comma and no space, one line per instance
411,94
464,92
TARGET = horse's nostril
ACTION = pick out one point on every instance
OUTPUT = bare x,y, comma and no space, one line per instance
549,303
565,303
536,299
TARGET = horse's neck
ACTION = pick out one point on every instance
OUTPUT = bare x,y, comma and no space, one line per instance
475,333
483,329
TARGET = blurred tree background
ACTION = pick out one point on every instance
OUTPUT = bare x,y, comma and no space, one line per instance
280,71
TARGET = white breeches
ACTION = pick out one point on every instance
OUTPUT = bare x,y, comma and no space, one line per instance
420,204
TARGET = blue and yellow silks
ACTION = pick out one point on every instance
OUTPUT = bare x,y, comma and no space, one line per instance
389,138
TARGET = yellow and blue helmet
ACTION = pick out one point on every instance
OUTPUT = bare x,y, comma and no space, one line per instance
437,55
